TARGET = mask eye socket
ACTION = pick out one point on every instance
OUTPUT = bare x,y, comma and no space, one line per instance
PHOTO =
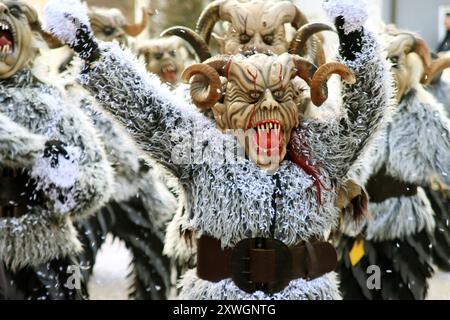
278,95
15,10
254,95
109,31
244,38
268,39
173,53
395,61
158,55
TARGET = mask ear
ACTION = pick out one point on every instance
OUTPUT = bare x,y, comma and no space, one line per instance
219,111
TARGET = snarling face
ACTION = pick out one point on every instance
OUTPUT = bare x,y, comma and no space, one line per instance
16,49
260,101
166,57
110,24
256,97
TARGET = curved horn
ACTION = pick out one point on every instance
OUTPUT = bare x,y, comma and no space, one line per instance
319,88
194,39
404,41
206,87
207,20
305,69
299,42
435,69
422,49
299,18
135,29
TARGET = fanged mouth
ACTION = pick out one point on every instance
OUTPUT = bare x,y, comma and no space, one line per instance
7,38
169,72
268,137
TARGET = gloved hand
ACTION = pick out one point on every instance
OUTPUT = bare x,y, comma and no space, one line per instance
349,17
53,149
68,21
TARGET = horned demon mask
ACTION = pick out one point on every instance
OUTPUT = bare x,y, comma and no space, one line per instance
256,95
166,57
404,51
255,26
110,24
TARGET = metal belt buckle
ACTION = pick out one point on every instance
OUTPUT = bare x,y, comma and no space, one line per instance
240,265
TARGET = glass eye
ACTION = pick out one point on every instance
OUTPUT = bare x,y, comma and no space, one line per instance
244,38
279,94
158,55
173,53
394,61
254,95
15,10
109,31
268,39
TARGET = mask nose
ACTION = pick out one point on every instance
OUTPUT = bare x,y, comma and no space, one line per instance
269,103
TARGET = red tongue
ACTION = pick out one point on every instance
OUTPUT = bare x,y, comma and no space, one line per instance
268,140
170,76
4,40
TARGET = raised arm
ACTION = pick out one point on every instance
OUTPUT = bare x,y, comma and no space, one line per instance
19,147
156,118
337,144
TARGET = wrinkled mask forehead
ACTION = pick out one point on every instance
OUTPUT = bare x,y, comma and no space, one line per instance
257,16
260,72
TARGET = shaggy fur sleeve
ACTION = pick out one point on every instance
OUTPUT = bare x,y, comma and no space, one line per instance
336,144
158,120
81,182
420,134
18,146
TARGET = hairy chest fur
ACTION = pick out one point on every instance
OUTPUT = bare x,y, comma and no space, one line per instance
237,201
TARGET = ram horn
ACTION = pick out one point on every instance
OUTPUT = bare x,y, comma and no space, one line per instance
436,68
319,87
299,43
305,69
193,38
135,29
204,78
208,19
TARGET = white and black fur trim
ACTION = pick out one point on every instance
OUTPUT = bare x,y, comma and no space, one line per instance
41,111
415,148
323,288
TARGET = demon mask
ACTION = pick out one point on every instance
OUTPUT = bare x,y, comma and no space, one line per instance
410,58
110,24
255,26
166,57
256,96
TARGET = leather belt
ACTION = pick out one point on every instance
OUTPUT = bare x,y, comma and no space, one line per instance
262,264
382,186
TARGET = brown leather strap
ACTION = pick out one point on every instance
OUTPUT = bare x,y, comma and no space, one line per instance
307,261
382,186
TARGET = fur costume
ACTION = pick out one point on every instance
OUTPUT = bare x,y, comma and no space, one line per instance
412,149
33,112
141,205
234,200
138,211
53,169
